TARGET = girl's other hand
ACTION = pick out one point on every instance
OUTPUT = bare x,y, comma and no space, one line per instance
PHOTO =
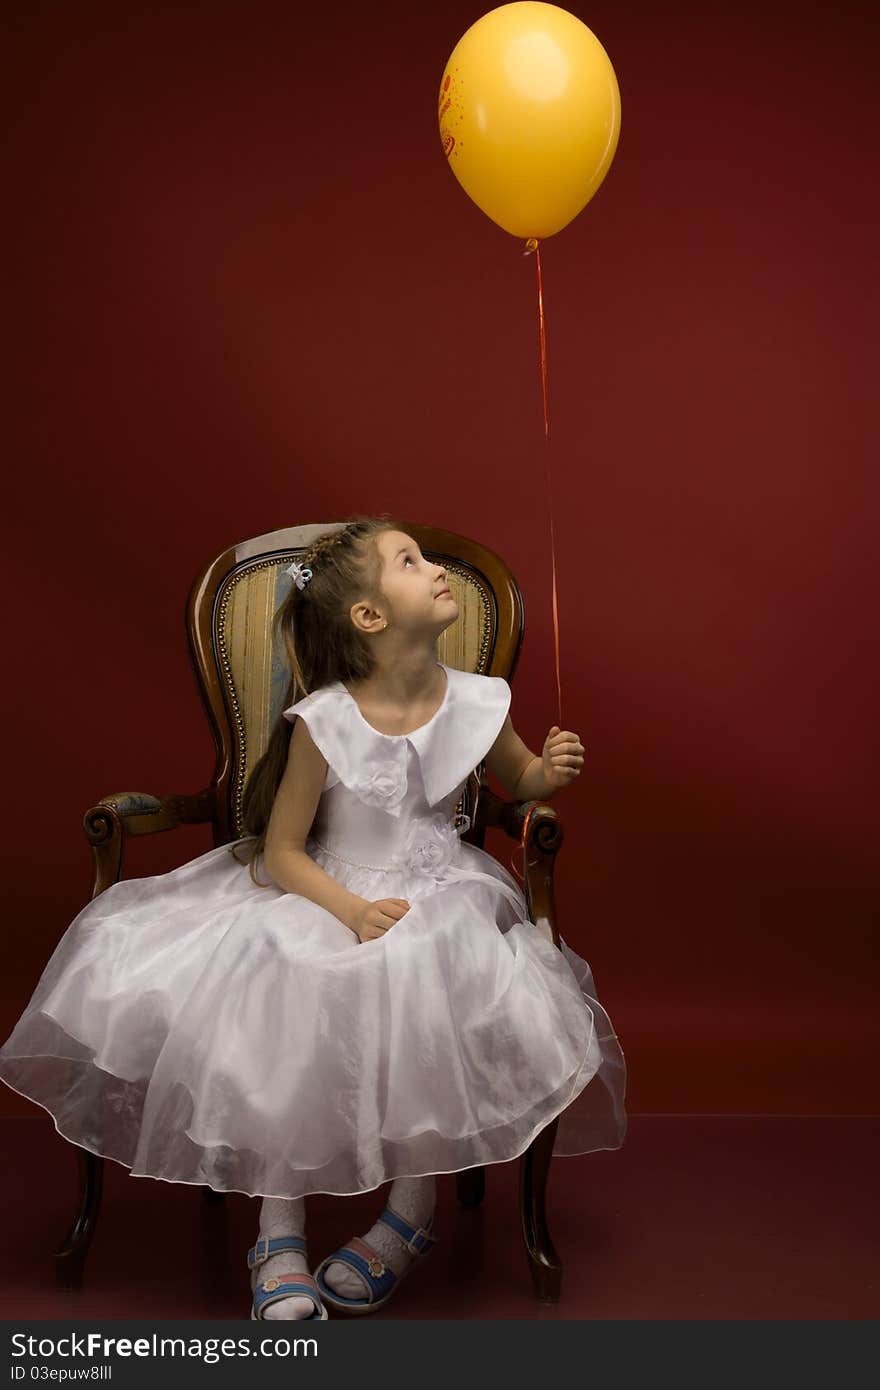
562,758
372,920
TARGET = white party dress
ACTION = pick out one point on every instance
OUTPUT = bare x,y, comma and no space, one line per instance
199,1028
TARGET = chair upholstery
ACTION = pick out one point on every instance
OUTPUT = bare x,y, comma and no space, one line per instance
243,680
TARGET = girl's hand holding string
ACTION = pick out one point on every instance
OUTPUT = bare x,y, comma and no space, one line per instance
562,757
372,920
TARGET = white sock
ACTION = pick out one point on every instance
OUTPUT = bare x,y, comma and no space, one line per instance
411,1198
279,1217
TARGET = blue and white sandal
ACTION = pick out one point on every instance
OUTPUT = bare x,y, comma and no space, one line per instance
380,1281
285,1286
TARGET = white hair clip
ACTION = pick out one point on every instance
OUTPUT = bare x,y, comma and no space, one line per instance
300,574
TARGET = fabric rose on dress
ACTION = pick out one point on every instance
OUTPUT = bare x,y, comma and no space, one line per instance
384,787
429,846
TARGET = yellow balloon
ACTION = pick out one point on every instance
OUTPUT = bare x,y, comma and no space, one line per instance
529,116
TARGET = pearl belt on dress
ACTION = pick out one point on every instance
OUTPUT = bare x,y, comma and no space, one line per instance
380,868
428,851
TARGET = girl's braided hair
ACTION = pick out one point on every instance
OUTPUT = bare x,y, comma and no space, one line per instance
322,645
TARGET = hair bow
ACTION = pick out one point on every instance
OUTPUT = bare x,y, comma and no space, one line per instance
300,574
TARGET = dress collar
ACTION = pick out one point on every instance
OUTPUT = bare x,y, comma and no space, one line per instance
449,746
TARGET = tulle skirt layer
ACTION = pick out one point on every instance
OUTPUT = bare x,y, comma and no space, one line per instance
198,1028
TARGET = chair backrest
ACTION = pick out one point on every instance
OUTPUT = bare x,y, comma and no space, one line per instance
243,676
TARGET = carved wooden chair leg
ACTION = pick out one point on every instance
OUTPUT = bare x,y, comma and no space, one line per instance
70,1258
471,1186
544,1263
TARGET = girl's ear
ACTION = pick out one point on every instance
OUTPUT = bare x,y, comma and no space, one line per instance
365,618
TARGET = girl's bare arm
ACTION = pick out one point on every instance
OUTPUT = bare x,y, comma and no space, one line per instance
527,777
293,813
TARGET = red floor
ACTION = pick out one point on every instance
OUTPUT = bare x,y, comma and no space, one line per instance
695,1217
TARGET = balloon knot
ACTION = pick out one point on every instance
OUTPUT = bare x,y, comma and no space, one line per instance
531,245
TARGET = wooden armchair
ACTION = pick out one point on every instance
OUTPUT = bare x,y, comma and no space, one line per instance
243,682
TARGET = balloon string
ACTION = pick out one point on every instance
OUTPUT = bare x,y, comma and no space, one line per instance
533,245
522,844
543,339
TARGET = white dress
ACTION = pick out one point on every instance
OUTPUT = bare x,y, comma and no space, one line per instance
201,1029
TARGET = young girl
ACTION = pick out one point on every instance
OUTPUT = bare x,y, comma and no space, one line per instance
350,993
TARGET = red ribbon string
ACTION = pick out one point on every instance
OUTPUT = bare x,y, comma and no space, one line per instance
533,245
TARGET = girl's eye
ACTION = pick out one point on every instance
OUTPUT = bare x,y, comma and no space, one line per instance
407,558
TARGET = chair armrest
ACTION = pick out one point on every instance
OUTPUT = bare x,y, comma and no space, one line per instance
142,814
543,841
114,817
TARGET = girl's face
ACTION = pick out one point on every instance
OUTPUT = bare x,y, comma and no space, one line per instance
415,587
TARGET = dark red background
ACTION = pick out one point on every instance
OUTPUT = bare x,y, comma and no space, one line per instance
246,291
